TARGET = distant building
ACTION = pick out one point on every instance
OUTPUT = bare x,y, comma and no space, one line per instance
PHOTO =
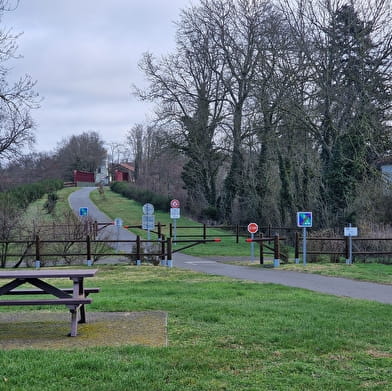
102,173
123,172
84,178
120,172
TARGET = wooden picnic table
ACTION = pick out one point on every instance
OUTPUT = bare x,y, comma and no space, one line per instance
74,298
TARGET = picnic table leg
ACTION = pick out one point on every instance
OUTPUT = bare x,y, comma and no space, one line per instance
78,291
82,314
74,322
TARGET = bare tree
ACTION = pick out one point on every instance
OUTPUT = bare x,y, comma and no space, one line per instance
188,88
16,99
83,152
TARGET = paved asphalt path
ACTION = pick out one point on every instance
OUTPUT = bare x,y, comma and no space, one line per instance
330,285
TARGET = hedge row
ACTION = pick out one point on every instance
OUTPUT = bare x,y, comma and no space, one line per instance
143,196
22,196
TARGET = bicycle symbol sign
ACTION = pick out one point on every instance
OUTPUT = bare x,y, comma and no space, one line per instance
304,219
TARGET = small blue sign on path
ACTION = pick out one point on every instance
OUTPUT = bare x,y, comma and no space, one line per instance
83,211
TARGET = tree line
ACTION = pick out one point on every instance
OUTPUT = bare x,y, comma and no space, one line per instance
273,106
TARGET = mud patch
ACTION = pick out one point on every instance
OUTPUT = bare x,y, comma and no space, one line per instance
49,330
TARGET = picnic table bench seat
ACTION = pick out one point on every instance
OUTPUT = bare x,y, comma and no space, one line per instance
70,302
87,291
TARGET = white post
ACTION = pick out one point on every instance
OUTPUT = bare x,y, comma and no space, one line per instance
252,247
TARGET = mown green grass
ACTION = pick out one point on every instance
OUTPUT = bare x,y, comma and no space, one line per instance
36,210
376,272
115,205
223,335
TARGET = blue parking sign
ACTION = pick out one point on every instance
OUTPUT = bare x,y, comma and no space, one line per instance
304,219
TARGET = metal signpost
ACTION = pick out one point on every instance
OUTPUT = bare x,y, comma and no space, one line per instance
174,215
83,213
252,229
304,221
350,232
148,219
118,224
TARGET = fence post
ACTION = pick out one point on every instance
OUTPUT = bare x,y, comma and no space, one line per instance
138,256
95,229
159,230
88,244
169,260
163,261
237,232
296,250
276,251
171,230
261,249
37,252
204,232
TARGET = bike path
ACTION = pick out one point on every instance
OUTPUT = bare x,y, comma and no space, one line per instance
330,285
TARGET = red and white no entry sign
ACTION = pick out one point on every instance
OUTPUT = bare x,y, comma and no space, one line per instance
253,228
174,204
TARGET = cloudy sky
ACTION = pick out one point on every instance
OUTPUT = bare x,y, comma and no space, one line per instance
84,56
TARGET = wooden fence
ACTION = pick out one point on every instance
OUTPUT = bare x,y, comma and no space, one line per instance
39,250
343,244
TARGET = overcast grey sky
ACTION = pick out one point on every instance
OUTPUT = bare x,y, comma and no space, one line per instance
84,56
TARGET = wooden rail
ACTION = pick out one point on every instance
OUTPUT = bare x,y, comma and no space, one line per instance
164,250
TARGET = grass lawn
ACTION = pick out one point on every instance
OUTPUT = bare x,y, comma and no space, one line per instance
115,205
223,335
37,212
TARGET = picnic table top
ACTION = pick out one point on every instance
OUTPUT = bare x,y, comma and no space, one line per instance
48,273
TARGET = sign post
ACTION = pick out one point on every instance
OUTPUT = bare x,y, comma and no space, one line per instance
350,232
174,215
304,221
252,229
148,219
118,224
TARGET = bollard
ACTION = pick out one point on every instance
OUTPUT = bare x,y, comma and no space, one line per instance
296,256
276,251
261,260
37,252
169,261
89,262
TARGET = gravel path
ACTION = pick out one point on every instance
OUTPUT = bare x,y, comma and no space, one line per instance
330,285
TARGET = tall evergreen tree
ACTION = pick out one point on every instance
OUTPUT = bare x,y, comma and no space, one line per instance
357,102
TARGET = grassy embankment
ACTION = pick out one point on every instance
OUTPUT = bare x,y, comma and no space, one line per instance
115,205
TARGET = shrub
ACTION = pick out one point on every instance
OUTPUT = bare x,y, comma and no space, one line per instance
24,195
